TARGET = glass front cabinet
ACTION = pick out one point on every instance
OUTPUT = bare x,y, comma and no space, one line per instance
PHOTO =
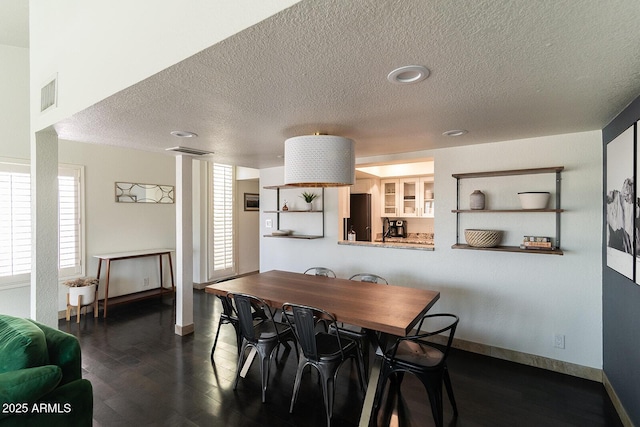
408,197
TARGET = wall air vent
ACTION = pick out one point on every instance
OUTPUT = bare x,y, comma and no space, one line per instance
49,94
190,151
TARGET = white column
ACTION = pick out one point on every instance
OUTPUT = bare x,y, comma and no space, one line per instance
44,227
184,246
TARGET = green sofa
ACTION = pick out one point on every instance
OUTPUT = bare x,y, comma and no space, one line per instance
41,376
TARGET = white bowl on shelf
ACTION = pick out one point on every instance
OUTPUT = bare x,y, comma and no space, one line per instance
281,232
534,199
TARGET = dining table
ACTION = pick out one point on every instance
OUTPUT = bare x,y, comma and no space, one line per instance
388,309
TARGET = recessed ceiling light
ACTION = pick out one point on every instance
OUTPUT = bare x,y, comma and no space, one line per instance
455,132
408,74
183,134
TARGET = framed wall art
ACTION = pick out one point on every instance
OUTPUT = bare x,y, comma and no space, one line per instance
251,202
620,200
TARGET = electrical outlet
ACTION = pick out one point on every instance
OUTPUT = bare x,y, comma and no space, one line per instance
558,341
145,282
268,223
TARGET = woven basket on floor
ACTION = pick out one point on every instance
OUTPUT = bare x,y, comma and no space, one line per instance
482,238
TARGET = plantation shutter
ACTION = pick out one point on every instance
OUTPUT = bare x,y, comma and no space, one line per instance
69,230
223,256
15,221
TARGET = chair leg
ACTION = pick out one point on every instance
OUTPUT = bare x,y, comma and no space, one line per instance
215,341
296,384
434,390
328,394
265,362
240,362
447,384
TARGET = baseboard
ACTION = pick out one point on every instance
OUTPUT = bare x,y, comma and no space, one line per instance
624,417
554,365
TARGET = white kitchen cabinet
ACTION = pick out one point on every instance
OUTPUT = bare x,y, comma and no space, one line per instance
408,197
416,197
390,197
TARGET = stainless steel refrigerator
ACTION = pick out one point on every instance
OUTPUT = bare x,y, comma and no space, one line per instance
360,219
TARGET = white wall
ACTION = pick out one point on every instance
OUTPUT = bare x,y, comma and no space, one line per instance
14,102
14,120
509,300
100,47
117,227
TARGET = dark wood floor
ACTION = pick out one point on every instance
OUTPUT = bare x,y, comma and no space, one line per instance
143,375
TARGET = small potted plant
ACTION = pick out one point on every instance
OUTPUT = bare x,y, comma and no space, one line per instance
85,287
309,198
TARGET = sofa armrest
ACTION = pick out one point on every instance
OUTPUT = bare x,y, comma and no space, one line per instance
64,351
28,385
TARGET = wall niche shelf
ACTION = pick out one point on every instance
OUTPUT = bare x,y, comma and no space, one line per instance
294,211
557,170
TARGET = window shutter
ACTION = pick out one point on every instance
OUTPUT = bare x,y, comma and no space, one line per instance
15,222
69,230
222,246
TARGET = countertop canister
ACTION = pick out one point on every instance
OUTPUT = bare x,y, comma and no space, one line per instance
476,200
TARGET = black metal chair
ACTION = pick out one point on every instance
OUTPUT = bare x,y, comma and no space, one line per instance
427,360
360,335
265,335
369,277
325,352
227,317
320,271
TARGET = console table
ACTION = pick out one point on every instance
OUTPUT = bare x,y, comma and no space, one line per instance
108,258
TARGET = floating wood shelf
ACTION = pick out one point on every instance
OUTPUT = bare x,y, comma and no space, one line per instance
510,249
557,170
505,210
295,236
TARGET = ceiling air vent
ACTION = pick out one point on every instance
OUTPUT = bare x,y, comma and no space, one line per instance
49,94
191,151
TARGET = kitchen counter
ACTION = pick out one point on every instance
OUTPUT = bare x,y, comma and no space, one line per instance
415,241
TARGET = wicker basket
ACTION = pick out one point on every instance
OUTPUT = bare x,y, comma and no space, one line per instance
482,238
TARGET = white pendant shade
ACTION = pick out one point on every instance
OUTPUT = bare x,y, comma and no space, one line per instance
319,161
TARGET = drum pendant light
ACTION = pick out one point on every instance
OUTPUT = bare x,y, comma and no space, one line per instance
319,161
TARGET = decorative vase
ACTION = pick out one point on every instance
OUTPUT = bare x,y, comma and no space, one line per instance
88,294
476,200
309,206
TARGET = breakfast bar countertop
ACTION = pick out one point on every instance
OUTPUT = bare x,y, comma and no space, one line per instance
415,241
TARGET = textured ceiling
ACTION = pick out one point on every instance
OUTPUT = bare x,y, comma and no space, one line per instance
503,70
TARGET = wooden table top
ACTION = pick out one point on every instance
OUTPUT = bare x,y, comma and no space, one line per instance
386,308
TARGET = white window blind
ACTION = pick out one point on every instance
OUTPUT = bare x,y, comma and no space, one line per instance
222,220
15,222
69,229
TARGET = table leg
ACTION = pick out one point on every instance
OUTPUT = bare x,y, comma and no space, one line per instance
106,289
367,406
248,362
95,306
161,281
173,286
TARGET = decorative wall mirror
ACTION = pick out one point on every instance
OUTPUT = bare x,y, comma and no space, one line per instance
130,192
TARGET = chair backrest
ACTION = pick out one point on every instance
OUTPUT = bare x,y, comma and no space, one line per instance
320,271
245,306
443,324
305,319
369,277
227,306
